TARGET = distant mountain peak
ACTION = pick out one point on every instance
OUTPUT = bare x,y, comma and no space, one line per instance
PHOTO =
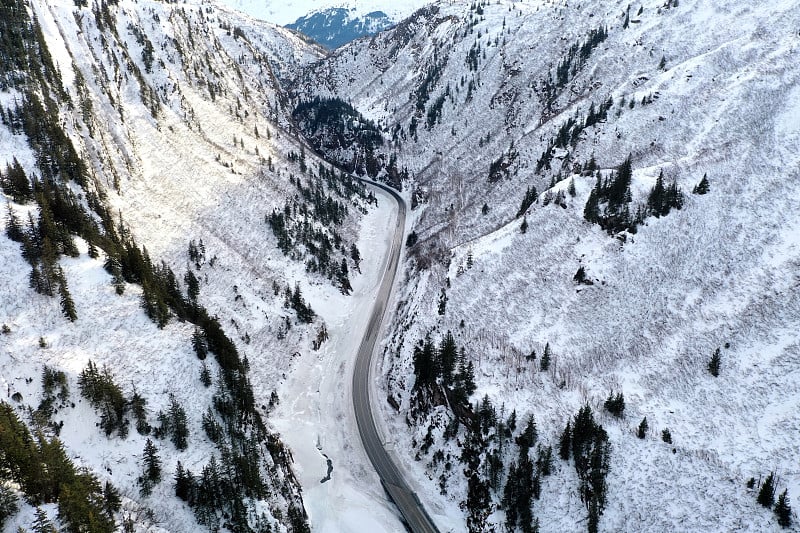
336,26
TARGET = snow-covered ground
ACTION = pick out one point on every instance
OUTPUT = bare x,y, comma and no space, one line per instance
316,414
721,272
190,147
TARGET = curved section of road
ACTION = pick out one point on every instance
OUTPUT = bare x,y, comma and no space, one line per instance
406,500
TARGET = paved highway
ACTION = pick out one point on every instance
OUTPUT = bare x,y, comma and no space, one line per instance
414,514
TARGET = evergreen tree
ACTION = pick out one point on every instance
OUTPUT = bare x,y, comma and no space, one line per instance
8,503
544,362
655,200
184,484
565,442
529,199
14,230
784,510
344,278
714,363
151,466
615,404
524,226
199,344
643,427
545,460
448,352
703,187
527,439
355,256
192,285
205,375
139,410
442,304
67,305
424,365
42,524
580,275
179,431
666,436
766,496
112,499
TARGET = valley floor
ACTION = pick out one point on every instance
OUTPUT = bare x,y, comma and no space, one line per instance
316,417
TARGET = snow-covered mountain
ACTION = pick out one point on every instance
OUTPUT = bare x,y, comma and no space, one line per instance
287,12
149,317
334,27
511,118
597,323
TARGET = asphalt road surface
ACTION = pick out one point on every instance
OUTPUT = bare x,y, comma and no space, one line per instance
414,514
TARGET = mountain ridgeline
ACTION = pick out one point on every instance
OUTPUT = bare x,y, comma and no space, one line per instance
334,27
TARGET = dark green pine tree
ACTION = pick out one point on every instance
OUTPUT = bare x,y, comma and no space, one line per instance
527,439
643,427
151,469
42,524
448,353
784,510
180,432
424,364
478,500
544,362
205,375
529,199
619,190
666,436
184,484
565,442
511,497
14,230
16,184
703,187
356,257
615,404
9,503
656,198
67,305
344,278
112,499
138,405
766,496
714,363
192,285
199,344
591,212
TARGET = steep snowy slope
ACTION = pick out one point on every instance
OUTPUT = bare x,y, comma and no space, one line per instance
485,101
176,114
